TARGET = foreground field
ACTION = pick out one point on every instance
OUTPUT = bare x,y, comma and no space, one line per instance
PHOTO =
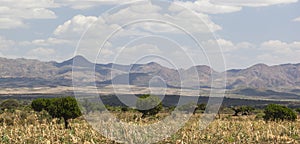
32,127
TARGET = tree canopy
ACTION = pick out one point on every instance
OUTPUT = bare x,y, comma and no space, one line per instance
276,112
149,105
65,107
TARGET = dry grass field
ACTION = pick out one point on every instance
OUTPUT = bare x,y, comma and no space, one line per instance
32,127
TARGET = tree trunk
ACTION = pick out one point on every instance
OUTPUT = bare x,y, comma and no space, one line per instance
66,123
236,113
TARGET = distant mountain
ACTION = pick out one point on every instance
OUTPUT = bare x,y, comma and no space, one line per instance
264,76
34,73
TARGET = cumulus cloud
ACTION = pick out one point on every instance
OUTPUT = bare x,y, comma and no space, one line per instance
226,46
205,6
244,54
143,11
77,25
155,20
8,23
253,3
81,5
281,48
13,12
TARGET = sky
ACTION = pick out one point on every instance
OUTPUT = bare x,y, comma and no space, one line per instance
224,34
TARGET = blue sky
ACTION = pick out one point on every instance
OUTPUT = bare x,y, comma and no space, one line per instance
248,32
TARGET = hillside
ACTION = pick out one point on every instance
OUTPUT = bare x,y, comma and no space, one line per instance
16,73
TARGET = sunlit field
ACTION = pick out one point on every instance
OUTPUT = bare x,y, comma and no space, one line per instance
27,126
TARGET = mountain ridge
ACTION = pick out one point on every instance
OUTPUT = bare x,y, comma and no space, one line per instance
60,74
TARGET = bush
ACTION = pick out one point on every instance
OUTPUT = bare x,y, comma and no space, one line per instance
188,108
276,112
200,107
91,106
40,104
149,105
244,110
10,104
65,108
297,110
125,109
259,116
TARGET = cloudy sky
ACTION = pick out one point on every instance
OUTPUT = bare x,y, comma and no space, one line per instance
230,33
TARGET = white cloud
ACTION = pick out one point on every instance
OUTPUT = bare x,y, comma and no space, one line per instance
195,23
50,42
29,3
226,45
101,27
281,48
41,53
244,54
8,23
205,6
270,52
81,5
253,3
14,12
296,19
29,13
5,44
77,25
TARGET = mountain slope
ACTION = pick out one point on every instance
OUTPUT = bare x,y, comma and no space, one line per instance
34,73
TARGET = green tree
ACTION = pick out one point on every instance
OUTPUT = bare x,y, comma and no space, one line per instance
149,105
40,104
276,112
10,104
65,107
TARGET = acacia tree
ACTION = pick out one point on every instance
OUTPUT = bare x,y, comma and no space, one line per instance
149,105
65,107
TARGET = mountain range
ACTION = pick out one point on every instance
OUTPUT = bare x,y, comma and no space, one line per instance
16,73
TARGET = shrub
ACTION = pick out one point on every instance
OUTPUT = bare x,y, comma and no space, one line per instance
65,107
91,106
200,107
259,116
276,112
149,105
125,109
244,110
188,108
10,104
40,104
297,110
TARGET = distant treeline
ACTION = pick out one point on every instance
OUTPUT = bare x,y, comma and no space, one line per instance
168,100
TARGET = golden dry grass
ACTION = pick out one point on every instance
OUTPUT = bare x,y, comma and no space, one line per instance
29,127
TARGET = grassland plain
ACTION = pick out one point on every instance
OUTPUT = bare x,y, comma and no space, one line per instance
32,127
